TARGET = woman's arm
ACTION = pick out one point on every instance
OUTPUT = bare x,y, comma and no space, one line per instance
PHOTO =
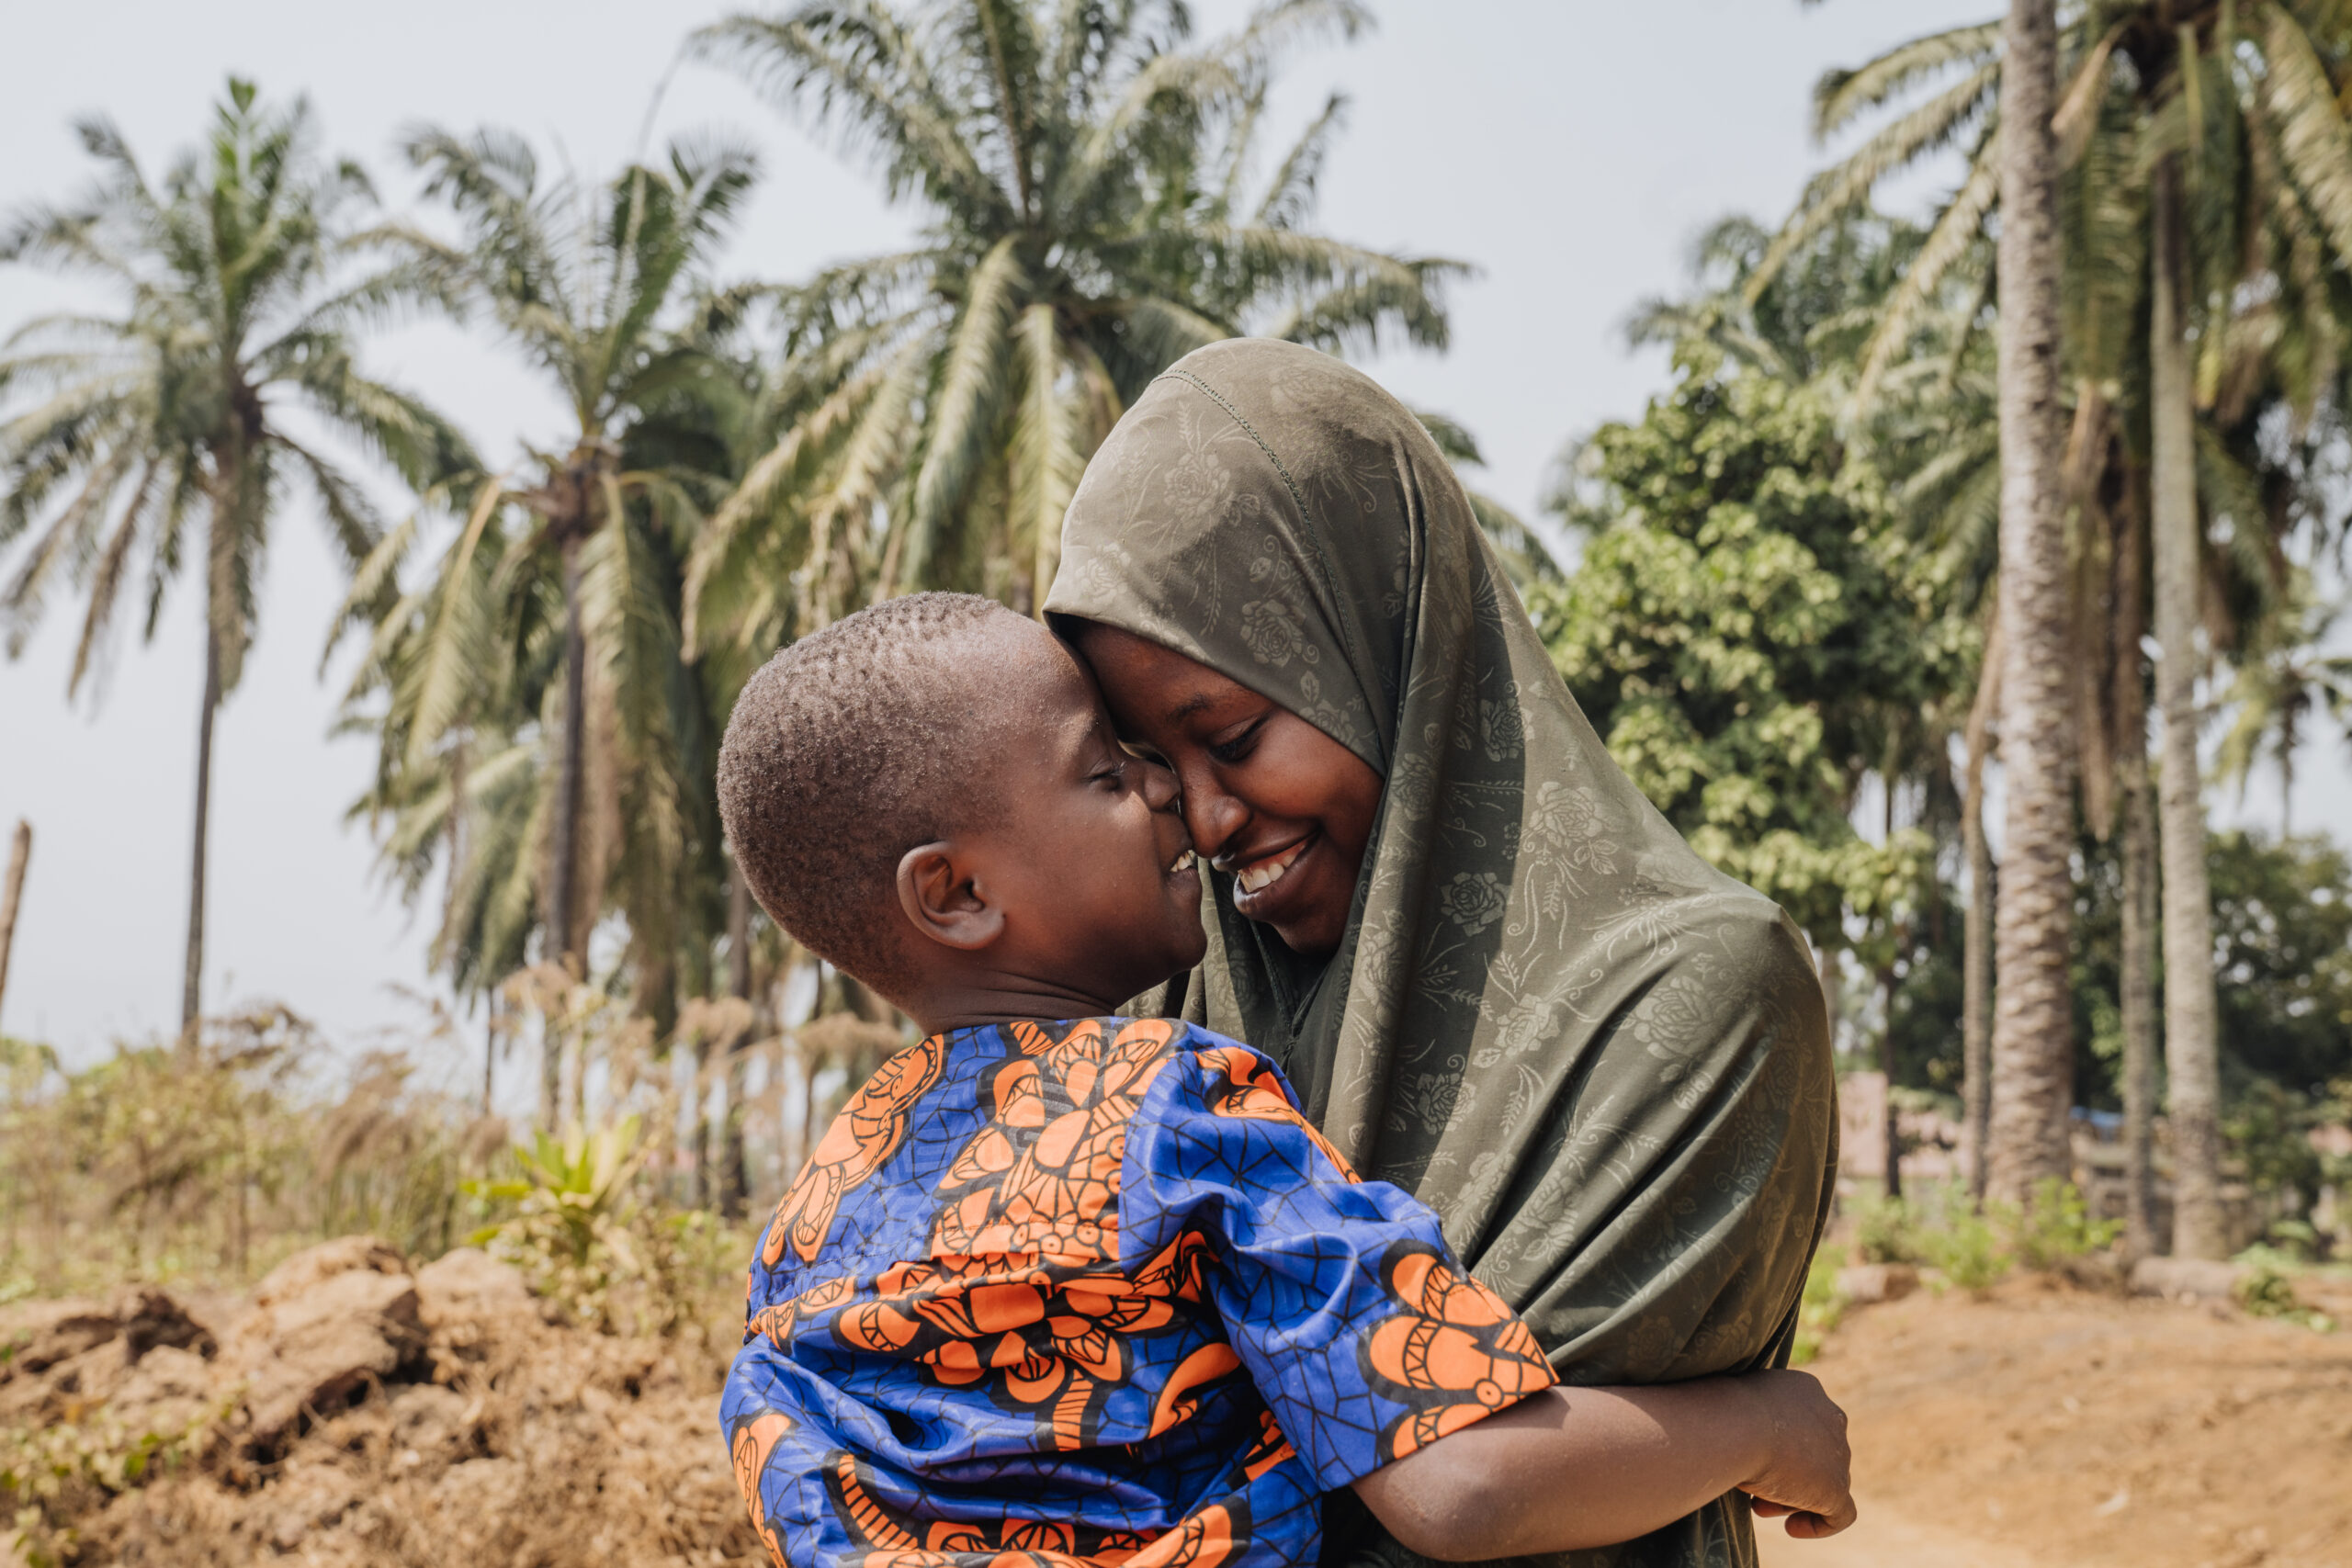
1570,1468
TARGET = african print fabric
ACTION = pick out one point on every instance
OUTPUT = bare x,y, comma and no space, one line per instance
1092,1293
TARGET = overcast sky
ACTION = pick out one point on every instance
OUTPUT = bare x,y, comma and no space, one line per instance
1570,149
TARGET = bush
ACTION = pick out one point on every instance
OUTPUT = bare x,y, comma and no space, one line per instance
609,1256
1823,1308
2055,1227
1888,1230
1967,1251
2267,1290
1974,1247
217,1158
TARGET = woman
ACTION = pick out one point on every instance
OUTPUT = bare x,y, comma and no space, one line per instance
1495,976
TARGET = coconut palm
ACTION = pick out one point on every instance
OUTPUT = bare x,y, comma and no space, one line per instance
2032,1045
2280,685
2211,185
142,441
1086,180
533,710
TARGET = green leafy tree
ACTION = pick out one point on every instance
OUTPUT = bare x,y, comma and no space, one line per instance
139,442
1744,633
1092,215
2282,924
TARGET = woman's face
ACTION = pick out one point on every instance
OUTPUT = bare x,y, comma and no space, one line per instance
1270,799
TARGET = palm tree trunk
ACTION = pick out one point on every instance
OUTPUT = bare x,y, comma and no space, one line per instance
2190,1051
489,1053
2138,985
563,841
1976,992
1892,1175
2137,844
2033,1047
20,854
734,1176
1976,935
192,973
563,915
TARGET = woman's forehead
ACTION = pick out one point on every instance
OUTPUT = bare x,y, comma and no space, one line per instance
1154,681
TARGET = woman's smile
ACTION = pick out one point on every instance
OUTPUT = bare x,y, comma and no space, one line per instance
1264,868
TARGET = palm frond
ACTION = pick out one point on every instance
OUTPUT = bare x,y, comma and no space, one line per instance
1843,95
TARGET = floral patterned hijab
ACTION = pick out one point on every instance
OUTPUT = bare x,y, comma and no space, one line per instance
1605,1064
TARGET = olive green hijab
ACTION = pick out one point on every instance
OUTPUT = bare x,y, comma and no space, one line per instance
1605,1064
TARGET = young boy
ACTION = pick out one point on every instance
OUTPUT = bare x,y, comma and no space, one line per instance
1061,1287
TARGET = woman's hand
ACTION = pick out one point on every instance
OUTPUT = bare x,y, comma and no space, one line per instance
1807,1471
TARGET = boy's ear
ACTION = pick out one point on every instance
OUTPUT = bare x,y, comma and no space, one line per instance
943,900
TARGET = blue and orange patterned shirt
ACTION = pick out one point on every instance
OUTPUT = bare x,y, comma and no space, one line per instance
1092,1293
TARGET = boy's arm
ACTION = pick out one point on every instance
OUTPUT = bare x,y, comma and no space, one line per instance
1568,1468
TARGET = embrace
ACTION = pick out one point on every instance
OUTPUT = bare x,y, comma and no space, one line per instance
1353,1127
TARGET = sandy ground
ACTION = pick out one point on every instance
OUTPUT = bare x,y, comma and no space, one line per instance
2051,1428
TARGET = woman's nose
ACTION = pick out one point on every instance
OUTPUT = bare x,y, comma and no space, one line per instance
1212,816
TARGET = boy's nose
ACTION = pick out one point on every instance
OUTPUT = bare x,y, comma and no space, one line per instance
1160,790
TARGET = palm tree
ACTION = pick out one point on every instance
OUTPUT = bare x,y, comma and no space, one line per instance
1091,217
536,716
2280,684
236,305
2034,1037
2211,181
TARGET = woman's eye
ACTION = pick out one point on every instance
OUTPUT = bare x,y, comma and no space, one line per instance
1237,749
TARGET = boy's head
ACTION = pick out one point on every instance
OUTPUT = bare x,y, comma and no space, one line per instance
929,794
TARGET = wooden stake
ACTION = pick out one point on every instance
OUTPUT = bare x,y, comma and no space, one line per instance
20,853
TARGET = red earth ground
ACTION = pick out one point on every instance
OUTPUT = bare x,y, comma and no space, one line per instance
2052,1428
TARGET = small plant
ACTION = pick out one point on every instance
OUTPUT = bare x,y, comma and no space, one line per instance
52,1475
1967,1249
1888,1230
2055,1226
2267,1290
567,1233
1823,1307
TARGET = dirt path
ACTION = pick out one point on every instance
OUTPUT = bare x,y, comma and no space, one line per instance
2049,1428
1883,1538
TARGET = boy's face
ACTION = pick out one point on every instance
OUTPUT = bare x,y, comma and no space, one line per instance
1086,853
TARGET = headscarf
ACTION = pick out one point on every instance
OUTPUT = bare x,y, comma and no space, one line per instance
1605,1064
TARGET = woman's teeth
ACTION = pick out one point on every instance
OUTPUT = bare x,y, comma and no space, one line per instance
1183,861
1266,874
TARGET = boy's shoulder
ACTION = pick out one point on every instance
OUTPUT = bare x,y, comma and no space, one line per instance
951,1115
1115,1062
1073,1051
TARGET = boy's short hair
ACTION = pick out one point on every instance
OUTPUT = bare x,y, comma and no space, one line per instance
846,749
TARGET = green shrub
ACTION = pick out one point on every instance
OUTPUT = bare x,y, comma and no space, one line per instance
1967,1249
1887,1230
2055,1226
2267,1290
1823,1307
589,1236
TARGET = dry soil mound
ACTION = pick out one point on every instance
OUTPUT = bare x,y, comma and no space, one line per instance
355,1411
